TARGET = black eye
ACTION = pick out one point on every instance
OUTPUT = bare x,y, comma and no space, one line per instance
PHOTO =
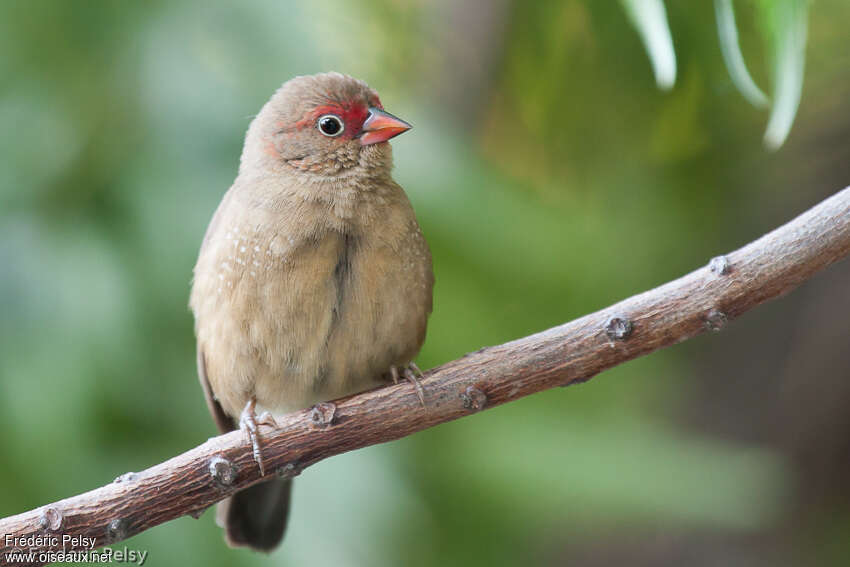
330,125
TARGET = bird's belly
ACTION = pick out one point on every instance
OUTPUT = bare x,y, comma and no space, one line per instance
360,315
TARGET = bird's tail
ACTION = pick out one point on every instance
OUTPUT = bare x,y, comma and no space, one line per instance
256,517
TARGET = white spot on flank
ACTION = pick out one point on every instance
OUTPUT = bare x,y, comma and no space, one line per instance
241,248
256,248
253,273
226,266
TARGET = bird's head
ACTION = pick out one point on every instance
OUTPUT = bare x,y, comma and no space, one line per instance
326,126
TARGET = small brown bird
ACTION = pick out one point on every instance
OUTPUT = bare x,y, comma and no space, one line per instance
313,280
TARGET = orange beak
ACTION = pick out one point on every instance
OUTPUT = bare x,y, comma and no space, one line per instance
380,126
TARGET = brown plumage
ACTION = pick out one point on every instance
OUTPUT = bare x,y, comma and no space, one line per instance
314,280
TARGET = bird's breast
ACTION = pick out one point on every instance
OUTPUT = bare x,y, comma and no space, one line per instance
296,318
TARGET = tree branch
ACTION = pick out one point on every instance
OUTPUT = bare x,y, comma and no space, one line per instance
705,299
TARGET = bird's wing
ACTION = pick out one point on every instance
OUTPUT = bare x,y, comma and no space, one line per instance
222,420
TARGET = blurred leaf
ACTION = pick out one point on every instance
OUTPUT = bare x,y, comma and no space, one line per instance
727,32
785,23
650,19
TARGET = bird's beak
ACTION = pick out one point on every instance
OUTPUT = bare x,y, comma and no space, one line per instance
380,126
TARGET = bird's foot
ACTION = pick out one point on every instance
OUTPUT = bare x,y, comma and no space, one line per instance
249,423
410,373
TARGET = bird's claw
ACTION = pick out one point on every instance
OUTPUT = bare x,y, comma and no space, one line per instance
249,423
410,374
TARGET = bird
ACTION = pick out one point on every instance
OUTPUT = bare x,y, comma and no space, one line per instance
313,281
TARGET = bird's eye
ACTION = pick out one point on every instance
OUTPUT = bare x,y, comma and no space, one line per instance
330,125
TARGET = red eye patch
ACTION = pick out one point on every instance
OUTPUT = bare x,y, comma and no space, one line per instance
352,114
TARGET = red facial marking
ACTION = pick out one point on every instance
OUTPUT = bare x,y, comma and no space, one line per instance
353,114
270,150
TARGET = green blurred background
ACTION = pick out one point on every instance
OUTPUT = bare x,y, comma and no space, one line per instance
551,178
